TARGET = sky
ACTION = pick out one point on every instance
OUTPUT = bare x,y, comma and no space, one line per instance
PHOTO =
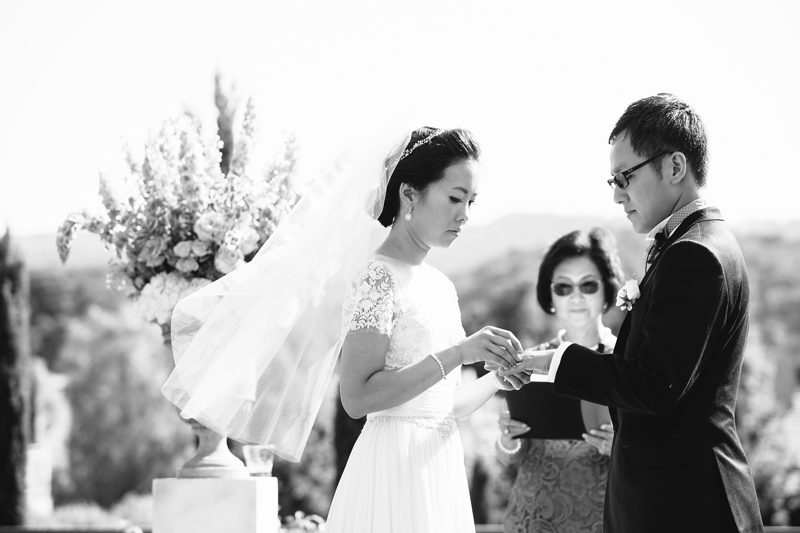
540,84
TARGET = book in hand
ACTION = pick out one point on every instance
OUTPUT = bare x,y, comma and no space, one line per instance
549,415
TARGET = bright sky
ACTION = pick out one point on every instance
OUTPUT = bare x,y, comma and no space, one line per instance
540,84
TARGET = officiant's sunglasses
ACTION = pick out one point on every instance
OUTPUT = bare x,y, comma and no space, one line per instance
565,289
621,180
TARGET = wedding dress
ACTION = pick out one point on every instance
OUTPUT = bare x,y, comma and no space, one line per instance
406,472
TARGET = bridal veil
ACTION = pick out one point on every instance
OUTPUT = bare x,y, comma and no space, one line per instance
255,350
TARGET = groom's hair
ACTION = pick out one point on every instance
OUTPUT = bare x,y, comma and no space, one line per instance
426,164
599,245
665,123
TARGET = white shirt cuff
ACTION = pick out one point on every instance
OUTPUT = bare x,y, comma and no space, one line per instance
551,374
550,377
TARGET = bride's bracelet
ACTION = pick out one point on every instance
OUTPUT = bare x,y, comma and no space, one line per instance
441,366
508,451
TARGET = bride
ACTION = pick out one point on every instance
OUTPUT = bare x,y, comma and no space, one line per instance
404,349
254,351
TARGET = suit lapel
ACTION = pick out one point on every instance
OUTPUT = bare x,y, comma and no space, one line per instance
709,213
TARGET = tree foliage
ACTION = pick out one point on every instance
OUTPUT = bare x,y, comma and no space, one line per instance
14,364
123,434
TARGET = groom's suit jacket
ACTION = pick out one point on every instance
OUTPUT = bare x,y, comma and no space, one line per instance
677,463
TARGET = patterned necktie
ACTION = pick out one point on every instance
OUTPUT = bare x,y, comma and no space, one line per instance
660,239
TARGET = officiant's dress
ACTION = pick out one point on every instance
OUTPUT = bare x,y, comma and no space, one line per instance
561,483
406,472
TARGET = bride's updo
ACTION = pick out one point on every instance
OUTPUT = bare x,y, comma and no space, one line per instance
426,164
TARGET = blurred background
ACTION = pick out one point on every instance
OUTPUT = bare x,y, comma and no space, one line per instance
540,86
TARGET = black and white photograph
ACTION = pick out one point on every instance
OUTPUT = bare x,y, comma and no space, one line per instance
421,267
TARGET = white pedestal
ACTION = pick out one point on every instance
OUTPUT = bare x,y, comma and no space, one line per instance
197,505
38,480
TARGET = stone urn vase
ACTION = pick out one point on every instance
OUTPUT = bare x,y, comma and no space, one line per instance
212,459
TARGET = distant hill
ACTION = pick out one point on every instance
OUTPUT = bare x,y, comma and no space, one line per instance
479,245
476,246
40,252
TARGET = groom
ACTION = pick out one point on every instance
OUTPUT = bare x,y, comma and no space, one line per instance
676,463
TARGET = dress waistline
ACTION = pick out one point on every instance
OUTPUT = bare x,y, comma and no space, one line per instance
446,425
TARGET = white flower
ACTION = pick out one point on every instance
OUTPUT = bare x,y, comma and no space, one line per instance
200,248
152,253
232,239
250,240
632,289
187,264
159,297
183,249
228,260
628,295
211,226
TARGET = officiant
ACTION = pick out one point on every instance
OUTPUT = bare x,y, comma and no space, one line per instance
562,444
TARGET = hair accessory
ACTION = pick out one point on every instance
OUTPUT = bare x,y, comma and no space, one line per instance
441,366
508,450
408,215
426,140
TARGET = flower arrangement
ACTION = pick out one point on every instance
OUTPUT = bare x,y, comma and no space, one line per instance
176,222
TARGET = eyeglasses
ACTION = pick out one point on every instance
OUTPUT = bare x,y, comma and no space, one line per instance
565,289
621,178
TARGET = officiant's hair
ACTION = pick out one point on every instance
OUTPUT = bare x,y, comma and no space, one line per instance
599,245
662,123
426,164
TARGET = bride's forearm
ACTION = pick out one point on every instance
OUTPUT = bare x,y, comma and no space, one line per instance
470,397
385,389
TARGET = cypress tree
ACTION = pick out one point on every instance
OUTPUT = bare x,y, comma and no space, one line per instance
14,355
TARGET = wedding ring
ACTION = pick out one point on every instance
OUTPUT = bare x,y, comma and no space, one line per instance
506,431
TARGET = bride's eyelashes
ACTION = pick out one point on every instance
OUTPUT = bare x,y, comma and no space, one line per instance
455,200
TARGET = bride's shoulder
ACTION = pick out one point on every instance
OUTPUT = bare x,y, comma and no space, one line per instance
437,274
375,267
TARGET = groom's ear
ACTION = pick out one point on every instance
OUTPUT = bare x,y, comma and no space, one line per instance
677,168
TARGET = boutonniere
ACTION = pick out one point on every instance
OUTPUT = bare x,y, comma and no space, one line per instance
628,295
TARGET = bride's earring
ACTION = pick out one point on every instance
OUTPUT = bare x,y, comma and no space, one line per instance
408,215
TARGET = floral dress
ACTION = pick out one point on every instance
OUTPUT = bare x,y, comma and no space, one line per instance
561,484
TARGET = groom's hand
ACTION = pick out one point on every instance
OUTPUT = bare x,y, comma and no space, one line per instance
507,383
533,362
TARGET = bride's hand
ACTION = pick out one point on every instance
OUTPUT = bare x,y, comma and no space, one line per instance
490,344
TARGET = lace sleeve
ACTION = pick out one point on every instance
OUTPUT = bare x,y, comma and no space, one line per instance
369,305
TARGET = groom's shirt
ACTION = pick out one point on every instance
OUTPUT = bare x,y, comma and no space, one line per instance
669,225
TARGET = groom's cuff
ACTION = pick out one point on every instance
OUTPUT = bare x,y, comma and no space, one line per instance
556,360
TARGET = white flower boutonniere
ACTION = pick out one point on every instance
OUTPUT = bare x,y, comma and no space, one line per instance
628,295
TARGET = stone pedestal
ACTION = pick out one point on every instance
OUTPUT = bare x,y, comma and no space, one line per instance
38,480
197,505
213,458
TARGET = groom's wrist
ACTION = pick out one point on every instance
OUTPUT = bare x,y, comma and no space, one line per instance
555,361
